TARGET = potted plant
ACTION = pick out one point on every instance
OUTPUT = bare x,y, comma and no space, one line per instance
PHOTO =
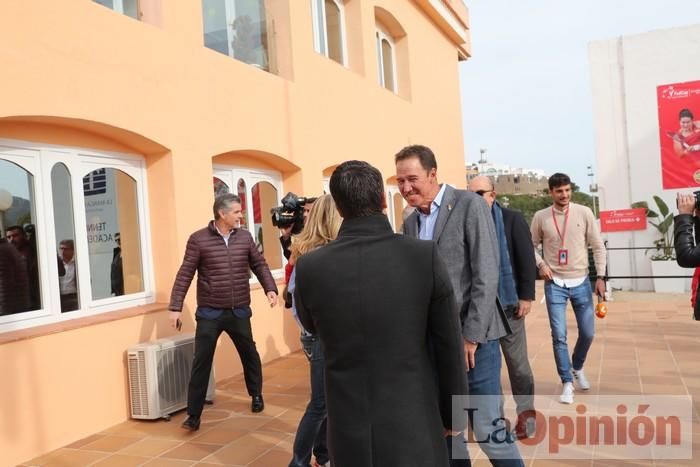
663,258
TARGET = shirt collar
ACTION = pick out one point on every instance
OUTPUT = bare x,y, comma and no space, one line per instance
222,233
435,204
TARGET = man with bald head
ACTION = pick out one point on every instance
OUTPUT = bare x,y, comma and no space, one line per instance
516,290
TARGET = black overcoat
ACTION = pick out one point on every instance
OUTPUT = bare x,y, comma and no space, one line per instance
376,299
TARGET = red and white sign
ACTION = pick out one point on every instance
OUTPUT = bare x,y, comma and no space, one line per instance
622,220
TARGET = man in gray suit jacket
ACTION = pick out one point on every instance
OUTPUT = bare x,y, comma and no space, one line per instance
460,223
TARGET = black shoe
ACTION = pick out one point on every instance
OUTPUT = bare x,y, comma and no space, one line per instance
257,405
191,424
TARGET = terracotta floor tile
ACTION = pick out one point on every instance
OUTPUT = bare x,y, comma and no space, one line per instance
236,454
150,447
191,451
271,458
220,436
82,442
244,423
161,462
121,460
110,443
68,458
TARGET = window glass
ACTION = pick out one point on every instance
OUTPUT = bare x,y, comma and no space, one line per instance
236,28
20,288
216,35
131,8
220,187
65,238
387,64
334,31
266,236
111,212
244,204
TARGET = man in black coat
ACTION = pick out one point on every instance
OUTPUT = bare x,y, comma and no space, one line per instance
519,270
376,299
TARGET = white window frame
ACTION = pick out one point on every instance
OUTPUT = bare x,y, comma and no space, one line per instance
39,160
230,175
381,34
318,11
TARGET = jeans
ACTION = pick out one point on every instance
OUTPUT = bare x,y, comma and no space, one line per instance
311,433
581,298
488,421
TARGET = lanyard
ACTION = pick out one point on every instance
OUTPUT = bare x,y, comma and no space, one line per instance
561,233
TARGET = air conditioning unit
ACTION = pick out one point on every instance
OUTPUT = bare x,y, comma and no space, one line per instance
159,373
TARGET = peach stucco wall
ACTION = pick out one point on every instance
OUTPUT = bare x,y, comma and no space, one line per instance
78,74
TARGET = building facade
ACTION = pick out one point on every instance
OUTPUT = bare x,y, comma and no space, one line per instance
122,118
627,75
509,180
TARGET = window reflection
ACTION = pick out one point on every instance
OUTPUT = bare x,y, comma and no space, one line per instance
236,28
65,235
111,211
19,266
244,208
266,236
220,187
335,32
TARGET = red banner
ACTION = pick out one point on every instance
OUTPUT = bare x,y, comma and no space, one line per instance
679,133
622,220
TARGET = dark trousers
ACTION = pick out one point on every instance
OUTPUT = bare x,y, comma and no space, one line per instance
206,336
311,433
514,348
69,302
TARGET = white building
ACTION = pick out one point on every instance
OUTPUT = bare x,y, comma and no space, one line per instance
625,74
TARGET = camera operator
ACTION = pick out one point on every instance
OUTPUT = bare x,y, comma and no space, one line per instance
687,247
290,218
286,232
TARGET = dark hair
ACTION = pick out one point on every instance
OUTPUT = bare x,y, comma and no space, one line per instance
357,189
423,153
224,202
558,179
67,242
16,227
685,113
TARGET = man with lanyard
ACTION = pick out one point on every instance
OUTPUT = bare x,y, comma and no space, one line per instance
566,230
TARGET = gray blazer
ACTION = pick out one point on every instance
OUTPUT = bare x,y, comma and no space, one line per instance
467,242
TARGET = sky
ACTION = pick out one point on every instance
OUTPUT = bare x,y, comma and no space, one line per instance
526,91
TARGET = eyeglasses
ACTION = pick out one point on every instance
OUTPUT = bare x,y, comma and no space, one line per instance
482,192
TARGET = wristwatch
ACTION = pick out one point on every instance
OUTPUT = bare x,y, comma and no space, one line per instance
600,277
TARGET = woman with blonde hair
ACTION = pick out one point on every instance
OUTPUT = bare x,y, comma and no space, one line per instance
320,228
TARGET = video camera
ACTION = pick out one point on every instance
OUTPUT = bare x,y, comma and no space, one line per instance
291,213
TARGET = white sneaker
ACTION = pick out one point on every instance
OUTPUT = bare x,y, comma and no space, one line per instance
567,394
581,380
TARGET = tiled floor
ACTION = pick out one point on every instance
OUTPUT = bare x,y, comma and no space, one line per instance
647,345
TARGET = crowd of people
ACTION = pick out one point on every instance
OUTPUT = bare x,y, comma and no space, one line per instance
395,325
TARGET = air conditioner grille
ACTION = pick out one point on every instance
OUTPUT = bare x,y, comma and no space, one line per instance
137,383
174,366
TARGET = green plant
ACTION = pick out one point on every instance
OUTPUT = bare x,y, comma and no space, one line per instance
664,225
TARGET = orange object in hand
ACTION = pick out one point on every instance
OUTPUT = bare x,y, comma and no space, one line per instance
601,309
